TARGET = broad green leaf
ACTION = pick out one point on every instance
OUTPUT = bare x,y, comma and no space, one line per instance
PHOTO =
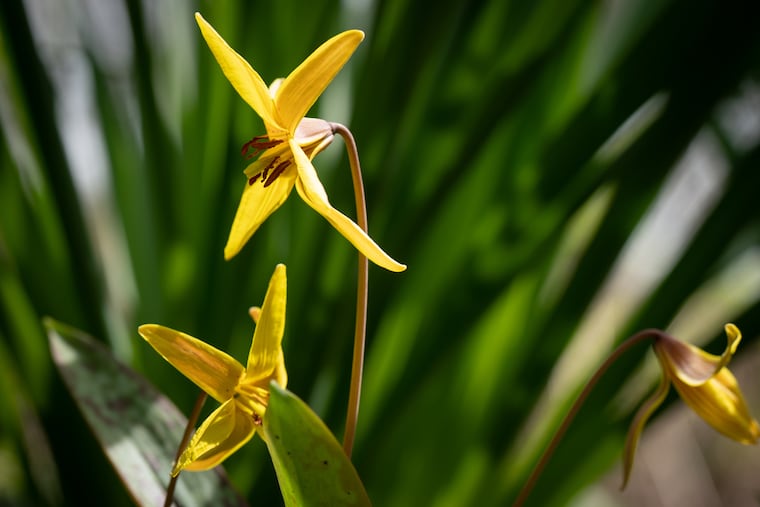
311,466
138,428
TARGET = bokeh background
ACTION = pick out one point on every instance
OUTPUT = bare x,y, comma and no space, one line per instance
557,174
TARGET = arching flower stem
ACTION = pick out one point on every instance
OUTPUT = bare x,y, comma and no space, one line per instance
646,334
360,329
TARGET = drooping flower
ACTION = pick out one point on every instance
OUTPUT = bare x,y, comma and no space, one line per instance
292,141
706,385
242,391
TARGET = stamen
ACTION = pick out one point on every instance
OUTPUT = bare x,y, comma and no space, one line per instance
276,172
258,144
266,177
268,167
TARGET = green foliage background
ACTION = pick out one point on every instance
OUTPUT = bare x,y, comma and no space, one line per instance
514,154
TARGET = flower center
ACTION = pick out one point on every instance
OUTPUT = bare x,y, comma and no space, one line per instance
252,399
274,168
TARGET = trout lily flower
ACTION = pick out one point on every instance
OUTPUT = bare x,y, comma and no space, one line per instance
706,385
291,142
242,391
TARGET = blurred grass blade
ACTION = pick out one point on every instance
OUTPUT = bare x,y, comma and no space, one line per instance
310,464
138,428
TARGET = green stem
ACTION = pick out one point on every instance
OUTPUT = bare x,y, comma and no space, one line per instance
614,356
360,330
183,443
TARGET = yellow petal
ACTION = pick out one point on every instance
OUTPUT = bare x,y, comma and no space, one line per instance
256,204
209,368
221,434
305,84
274,130
244,79
311,190
634,433
265,357
719,402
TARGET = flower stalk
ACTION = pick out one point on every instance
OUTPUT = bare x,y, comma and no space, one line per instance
196,412
549,451
360,329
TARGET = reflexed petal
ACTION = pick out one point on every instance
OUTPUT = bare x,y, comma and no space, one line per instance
306,83
311,190
692,365
719,402
209,368
265,356
221,434
256,204
246,81
634,432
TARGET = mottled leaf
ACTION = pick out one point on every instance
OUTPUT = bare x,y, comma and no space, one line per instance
138,428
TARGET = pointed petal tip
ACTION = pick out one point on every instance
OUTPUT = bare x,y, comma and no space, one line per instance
147,329
387,263
355,33
755,432
279,277
734,336
231,249
202,23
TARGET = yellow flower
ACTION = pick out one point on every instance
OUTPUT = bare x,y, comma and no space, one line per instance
292,141
243,392
705,384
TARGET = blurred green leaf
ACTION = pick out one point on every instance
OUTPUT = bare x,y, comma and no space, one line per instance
311,466
137,427
482,132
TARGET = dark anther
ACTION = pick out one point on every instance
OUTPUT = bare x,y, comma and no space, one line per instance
258,144
268,167
265,173
276,172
